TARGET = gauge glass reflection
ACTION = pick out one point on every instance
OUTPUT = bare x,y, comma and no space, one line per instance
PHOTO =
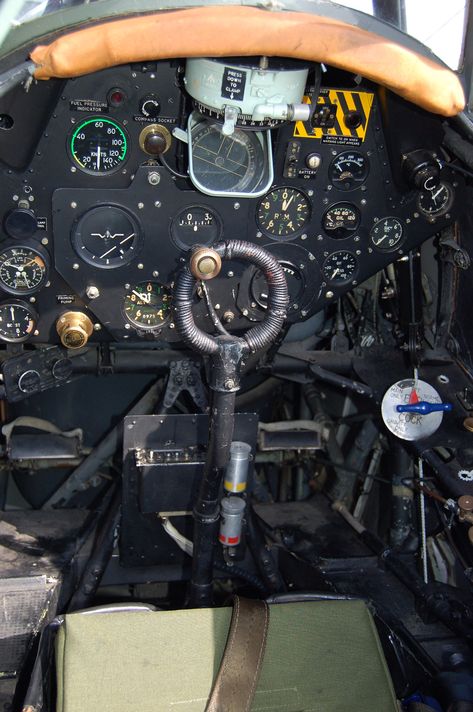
226,164
23,270
147,305
17,321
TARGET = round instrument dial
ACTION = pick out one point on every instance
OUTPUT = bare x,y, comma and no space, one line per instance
387,234
436,202
17,321
348,170
340,267
147,305
341,220
195,225
283,212
107,237
223,163
23,269
98,145
295,285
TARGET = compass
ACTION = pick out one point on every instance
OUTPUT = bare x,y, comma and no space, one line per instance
412,409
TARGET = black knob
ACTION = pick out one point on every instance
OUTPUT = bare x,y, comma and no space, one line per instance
62,369
29,382
21,223
421,169
154,144
150,106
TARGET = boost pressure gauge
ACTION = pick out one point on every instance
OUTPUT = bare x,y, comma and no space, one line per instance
17,321
387,234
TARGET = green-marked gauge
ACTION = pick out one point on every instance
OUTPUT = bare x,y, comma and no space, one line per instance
98,146
148,305
283,212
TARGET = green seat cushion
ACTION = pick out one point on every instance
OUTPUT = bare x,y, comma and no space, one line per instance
320,657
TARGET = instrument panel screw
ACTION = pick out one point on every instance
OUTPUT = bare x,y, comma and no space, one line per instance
154,178
73,205
31,198
155,273
32,300
303,312
73,169
127,286
97,327
408,220
75,266
259,234
329,294
236,206
357,252
140,265
36,332
310,193
311,257
141,206
127,326
92,292
363,201
443,378
157,203
304,237
15,198
244,312
229,384
356,239
44,241
416,215
172,325
230,273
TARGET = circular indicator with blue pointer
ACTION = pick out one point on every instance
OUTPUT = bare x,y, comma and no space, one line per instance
412,409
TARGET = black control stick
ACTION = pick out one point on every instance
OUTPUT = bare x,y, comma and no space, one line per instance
226,356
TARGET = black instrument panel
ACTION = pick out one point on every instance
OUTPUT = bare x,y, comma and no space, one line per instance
93,223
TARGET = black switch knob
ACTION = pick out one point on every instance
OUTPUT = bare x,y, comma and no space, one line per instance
29,382
150,106
421,169
20,223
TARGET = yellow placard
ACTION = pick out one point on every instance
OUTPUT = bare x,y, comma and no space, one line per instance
344,102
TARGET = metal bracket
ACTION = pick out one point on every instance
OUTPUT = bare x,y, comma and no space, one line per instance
185,376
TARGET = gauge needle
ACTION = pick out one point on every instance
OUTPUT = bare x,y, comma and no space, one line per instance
286,203
335,273
108,252
435,195
98,157
12,314
145,298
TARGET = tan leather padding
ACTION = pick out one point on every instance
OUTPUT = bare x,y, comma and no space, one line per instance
245,31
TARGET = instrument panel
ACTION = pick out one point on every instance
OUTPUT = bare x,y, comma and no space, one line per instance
96,223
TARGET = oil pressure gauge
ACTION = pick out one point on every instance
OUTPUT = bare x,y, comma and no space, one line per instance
341,220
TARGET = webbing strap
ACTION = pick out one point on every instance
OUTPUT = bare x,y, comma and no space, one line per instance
236,681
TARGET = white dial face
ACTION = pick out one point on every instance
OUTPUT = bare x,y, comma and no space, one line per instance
410,426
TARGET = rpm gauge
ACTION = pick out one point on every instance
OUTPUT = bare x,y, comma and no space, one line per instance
98,146
23,269
283,212
340,267
348,170
147,305
17,321
195,225
341,220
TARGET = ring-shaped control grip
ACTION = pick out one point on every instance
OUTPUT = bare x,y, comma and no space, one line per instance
258,337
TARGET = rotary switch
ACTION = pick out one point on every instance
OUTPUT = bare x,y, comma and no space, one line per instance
150,106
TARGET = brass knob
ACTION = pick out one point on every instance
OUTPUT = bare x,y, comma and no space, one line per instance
155,139
465,502
74,329
205,263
